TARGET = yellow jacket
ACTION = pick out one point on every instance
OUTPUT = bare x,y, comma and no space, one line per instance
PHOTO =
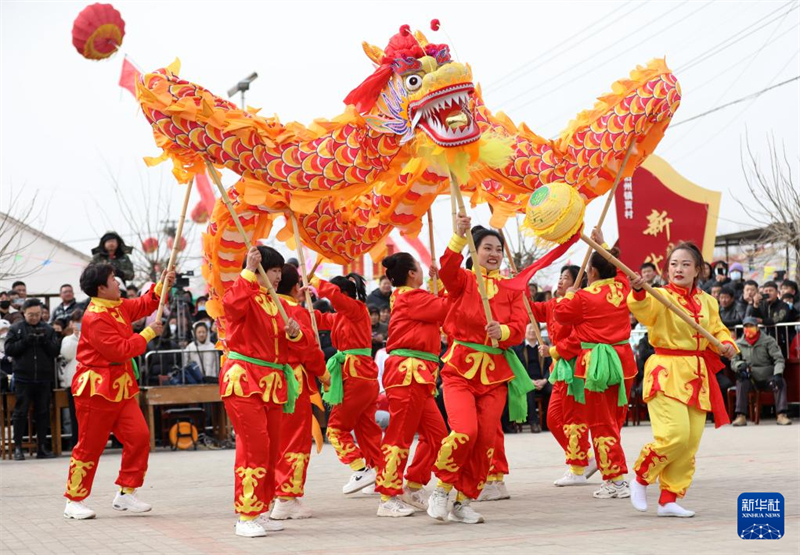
678,369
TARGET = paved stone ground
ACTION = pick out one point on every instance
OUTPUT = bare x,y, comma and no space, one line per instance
192,497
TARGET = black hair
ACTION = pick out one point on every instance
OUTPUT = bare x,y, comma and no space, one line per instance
95,275
63,286
719,285
479,233
76,316
289,278
63,322
293,262
752,282
790,283
605,269
323,306
13,285
770,284
270,258
352,285
696,254
573,272
373,309
30,303
397,267
648,265
199,324
727,291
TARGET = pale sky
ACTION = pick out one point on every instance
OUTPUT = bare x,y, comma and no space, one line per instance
67,127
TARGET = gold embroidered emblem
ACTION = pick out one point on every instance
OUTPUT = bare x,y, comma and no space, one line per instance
393,456
603,446
77,472
271,384
266,304
445,460
574,433
479,361
90,377
233,378
248,502
298,462
122,385
341,449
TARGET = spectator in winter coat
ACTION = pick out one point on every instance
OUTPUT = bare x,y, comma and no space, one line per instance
379,298
202,352
33,346
759,364
69,350
67,306
729,312
113,250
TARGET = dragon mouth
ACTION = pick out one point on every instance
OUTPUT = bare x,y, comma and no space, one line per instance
445,115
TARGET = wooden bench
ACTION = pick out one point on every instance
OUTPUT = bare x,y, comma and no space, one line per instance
159,396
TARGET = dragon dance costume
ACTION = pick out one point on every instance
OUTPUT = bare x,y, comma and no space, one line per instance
475,374
598,396
105,390
295,442
257,385
354,380
409,379
679,385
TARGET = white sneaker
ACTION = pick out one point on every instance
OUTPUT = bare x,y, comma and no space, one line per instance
638,495
268,524
489,492
394,507
462,512
570,479
78,511
590,469
293,508
502,491
613,490
369,490
249,529
129,502
417,498
359,480
437,504
673,509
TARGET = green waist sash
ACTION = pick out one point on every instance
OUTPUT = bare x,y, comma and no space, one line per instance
335,393
605,370
564,371
411,353
292,386
518,387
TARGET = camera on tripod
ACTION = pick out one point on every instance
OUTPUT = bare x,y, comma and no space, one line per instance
182,279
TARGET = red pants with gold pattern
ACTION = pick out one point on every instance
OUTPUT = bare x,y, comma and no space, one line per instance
473,411
356,413
295,448
412,409
605,419
258,429
97,419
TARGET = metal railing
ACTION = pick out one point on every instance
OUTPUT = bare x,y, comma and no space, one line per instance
786,334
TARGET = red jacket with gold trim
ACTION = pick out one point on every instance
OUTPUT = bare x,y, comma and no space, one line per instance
350,327
466,320
256,330
417,317
565,344
308,363
108,343
599,314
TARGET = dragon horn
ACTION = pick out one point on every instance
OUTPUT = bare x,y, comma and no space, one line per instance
373,52
421,39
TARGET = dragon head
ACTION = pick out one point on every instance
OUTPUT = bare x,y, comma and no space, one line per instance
417,88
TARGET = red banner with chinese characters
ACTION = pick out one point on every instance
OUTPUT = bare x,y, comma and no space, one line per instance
657,208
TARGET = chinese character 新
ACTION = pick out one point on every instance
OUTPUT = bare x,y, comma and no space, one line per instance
658,222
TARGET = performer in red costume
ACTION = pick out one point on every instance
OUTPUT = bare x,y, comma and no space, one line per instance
105,388
353,392
604,371
564,353
476,374
295,444
257,385
409,378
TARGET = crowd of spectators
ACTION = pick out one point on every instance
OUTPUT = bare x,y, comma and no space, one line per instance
38,346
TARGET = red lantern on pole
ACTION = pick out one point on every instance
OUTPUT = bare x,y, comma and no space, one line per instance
199,214
181,244
150,245
98,31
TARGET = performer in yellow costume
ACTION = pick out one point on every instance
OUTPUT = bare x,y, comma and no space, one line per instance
679,380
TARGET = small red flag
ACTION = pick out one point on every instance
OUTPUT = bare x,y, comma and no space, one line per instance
129,75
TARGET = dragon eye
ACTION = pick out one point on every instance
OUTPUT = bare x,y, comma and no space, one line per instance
413,82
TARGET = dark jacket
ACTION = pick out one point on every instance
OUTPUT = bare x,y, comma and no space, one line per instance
771,314
731,316
378,299
123,266
33,350
64,311
529,357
